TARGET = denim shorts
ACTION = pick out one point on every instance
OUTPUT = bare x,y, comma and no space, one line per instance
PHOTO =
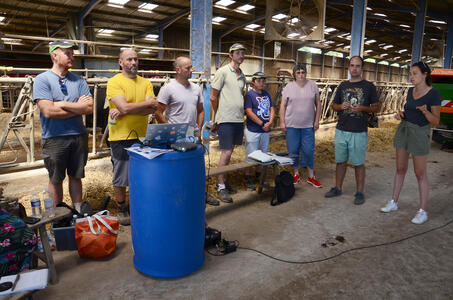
350,146
255,141
63,154
301,140
230,134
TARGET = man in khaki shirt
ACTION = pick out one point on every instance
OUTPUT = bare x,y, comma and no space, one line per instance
227,99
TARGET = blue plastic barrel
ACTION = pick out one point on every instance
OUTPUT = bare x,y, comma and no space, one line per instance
167,209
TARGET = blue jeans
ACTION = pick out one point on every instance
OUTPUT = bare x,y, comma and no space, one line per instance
301,140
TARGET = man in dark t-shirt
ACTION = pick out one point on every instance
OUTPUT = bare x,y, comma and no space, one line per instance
353,101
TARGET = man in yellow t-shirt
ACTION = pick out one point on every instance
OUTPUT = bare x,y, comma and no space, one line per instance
131,100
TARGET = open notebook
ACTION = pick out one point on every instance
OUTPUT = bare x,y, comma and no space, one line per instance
28,281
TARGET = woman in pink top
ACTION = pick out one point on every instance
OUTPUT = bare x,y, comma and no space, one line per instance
300,111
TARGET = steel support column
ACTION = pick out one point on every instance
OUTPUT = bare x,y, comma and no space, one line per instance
200,45
358,27
389,74
419,31
323,62
448,50
160,55
262,59
218,49
80,17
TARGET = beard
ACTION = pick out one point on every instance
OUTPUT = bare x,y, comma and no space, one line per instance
132,70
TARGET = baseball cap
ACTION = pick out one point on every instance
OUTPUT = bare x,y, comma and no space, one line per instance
258,75
61,44
237,46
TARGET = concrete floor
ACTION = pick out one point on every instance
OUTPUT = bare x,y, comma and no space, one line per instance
417,268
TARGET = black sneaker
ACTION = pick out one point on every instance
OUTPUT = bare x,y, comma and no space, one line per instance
212,201
230,189
224,196
334,192
359,198
249,184
123,214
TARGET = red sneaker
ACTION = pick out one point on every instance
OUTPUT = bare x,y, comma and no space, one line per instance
314,182
296,178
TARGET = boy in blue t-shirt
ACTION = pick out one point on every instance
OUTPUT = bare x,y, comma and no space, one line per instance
260,116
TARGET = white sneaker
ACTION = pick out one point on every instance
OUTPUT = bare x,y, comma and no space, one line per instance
421,217
390,206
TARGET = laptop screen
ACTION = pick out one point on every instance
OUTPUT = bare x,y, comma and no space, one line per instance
164,134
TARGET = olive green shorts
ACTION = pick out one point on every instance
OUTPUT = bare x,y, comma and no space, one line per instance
413,138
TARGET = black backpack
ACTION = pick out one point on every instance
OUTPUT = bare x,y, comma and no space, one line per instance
284,188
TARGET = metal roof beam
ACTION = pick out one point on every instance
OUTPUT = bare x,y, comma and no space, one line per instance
160,26
54,32
430,13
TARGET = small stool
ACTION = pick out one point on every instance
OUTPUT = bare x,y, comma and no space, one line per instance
46,254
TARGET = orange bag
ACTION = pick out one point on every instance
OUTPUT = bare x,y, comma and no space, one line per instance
96,235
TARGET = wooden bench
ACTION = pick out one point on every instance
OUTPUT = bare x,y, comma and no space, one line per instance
242,166
46,254
229,168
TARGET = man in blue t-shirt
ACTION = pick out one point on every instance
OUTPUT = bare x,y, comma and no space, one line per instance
62,98
260,116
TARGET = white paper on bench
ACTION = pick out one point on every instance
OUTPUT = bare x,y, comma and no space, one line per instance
28,281
259,155
282,160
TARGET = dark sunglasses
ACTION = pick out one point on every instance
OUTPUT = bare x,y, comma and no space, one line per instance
300,72
62,82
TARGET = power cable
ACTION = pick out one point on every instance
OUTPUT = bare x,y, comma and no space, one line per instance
342,252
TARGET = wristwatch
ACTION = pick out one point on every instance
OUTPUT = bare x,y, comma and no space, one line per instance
262,124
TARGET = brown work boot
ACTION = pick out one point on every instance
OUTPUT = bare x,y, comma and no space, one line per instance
123,214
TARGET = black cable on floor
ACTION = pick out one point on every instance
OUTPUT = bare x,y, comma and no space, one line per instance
345,251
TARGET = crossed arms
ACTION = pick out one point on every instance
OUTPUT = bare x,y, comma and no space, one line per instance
61,110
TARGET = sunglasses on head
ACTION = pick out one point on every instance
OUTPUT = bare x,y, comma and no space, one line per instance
62,82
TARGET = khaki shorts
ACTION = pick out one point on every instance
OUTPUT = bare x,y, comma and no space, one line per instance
120,161
413,138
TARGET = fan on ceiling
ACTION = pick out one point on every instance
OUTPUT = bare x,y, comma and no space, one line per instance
295,20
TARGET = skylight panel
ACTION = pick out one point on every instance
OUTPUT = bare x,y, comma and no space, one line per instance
437,22
278,17
292,35
245,8
224,3
117,3
147,7
105,31
218,19
152,37
252,26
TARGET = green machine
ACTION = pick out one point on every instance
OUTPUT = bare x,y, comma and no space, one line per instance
443,82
